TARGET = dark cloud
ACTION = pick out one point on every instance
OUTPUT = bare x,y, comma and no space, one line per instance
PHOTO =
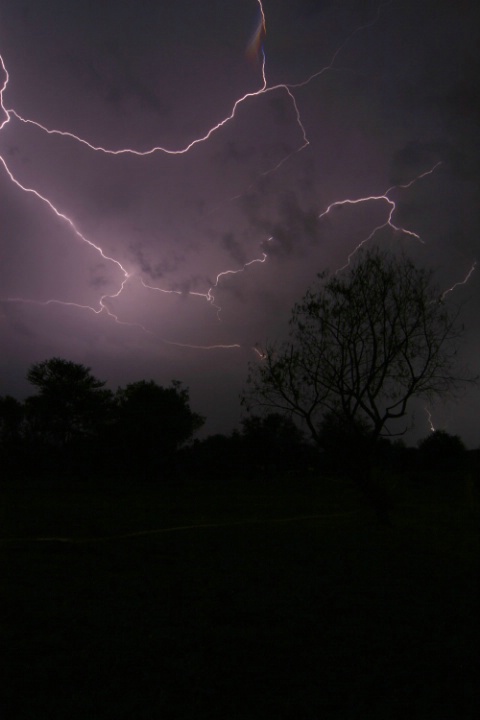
99,277
292,227
109,75
234,248
415,158
155,269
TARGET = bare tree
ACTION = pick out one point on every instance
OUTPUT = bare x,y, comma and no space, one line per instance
362,343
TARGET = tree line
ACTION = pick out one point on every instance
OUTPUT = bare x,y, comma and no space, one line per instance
75,424
74,427
362,345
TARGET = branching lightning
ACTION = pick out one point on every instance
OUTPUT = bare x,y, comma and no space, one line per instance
392,206
255,51
209,296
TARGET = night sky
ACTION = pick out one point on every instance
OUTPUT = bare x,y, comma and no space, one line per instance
359,98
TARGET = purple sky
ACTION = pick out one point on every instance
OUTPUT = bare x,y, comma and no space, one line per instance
400,96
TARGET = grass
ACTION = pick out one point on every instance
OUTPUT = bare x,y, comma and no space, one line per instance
259,616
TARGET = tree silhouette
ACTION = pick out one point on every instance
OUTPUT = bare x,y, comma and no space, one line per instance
151,423
442,451
71,403
75,426
362,344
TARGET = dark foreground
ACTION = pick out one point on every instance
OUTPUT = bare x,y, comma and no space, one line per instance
257,612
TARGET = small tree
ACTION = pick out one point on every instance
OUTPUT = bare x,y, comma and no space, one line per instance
362,344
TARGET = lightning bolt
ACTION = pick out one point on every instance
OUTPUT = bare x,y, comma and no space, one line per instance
64,217
102,304
126,276
209,296
392,206
430,421
10,113
461,282
204,347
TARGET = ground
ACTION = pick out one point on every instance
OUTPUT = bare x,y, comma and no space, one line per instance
238,600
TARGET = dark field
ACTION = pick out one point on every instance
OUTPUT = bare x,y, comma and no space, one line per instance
258,612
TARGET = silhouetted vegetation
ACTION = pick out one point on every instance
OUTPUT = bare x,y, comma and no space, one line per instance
266,448
149,424
71,404
273,444
75,427
442,452
362,344
253,584
12,438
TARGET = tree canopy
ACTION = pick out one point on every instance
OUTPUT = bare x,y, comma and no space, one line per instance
153,421
441,451
71,402
75,426
362,344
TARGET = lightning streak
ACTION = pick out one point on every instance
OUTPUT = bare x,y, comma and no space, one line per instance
385,198
259,34
203,347
359,29
102,306
255,47
208,296
430,421
461,282
2,90
64,217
